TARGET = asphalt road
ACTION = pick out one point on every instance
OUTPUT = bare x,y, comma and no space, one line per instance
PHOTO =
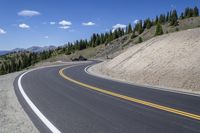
75,108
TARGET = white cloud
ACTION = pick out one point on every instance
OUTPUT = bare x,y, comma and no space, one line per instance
117,26
46,37
64,27
88,24
136,21
28,13
2,31
24,26
65,23
52,23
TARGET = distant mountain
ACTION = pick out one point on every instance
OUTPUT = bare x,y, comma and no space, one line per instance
3,52
40,49
35,49
18,50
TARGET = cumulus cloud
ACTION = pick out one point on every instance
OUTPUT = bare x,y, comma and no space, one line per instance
24,26
88,24
117,26
2,31
65,23
52,23
64,27
136,21
28,13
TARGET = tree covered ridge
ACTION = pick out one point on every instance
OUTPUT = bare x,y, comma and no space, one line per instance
20,60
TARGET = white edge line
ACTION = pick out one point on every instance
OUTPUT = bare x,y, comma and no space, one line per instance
130,83
35,109
51,127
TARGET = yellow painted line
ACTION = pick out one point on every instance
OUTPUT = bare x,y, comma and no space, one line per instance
153,105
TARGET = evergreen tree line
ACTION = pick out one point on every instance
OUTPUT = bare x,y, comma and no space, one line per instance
171,18
190,12
21,60
18,61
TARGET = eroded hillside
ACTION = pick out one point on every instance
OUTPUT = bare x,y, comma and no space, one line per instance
171,60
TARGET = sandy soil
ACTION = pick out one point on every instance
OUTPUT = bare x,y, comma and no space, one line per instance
171,61
13,119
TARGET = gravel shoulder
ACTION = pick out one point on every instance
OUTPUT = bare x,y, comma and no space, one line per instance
13,117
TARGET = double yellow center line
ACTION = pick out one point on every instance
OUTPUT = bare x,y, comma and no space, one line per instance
153,105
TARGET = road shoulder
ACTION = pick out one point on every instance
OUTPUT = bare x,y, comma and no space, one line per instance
13,117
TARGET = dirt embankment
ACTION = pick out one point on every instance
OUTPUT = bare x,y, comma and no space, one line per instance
171,60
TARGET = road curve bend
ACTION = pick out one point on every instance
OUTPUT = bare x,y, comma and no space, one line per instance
67,99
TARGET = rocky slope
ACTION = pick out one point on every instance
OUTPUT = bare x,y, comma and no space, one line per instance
171,60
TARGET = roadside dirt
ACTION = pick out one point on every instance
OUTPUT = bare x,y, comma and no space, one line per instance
13,117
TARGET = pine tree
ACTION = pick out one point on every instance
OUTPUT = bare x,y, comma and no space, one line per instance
186,13
162,19
129,30
156,20
191,12
139,27
93,40
147,24
174,18
98,41
196,12
167,17
182,16
159,30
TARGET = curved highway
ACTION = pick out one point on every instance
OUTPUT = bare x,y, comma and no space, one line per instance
67,99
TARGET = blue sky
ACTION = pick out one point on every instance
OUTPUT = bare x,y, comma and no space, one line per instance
25,23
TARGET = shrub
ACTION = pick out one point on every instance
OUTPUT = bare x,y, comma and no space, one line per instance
140,40
159,30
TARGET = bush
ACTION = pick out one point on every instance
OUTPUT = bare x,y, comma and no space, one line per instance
140,40
159,30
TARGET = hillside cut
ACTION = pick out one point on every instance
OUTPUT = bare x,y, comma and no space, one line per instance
171,60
